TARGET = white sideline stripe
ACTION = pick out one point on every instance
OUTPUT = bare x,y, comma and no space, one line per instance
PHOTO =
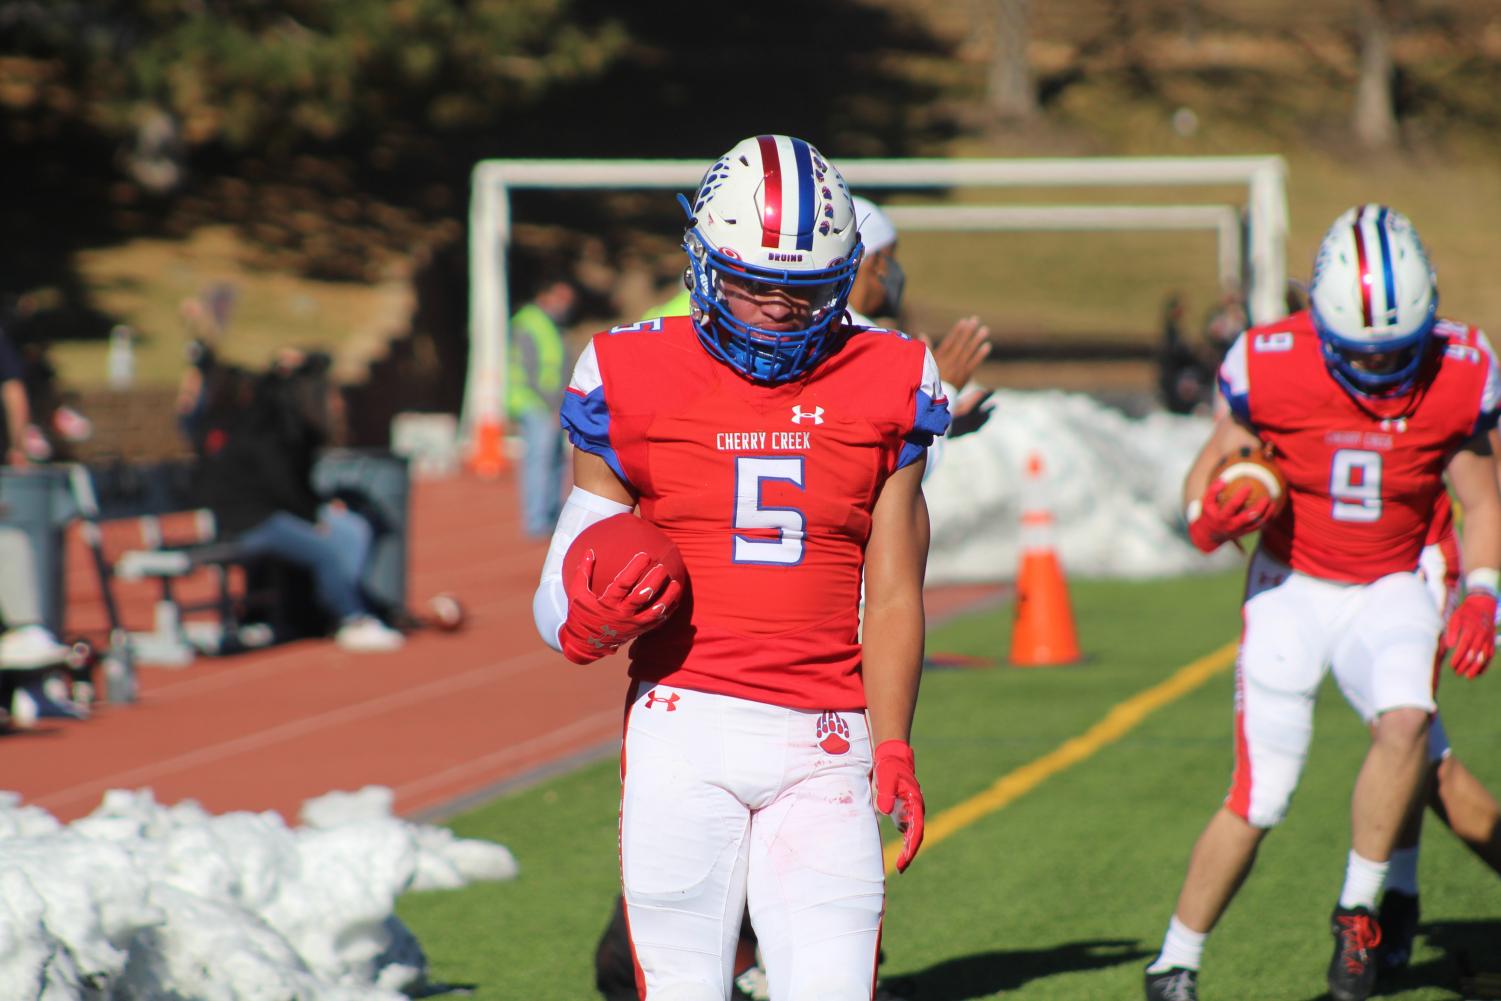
605,719
403,699
1122,718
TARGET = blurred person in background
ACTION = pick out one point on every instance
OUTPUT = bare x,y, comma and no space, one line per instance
1369,403
536,375
679,305
25,642
28,386
13,400
1185,373
258,438
205,318
879,287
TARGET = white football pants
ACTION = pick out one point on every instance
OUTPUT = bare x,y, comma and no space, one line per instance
1378,638
1439,568
725,800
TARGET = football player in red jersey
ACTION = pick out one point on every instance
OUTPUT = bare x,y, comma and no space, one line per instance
782,450
1458,799
1368,404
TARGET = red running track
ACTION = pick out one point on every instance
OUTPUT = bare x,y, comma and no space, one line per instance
445,721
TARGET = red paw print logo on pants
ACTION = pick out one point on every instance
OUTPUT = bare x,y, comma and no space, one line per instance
833,733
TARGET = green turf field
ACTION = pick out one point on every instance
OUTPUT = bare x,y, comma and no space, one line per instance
1065,892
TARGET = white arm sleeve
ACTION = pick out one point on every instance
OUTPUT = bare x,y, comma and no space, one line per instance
550,603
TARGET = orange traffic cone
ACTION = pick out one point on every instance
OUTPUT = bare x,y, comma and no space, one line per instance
1043,635
487,451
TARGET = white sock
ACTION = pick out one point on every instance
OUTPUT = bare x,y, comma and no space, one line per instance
1363,880
1181,947
1403,874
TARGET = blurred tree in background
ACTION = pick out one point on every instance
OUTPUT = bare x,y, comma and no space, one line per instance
273,75
331,132
337,136
364,90
1375,88
1011,90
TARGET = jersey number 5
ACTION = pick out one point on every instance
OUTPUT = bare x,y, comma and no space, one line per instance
1355,485
786,550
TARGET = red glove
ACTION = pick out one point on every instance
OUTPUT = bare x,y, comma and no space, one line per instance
899,796
1470,635
636,601
1220,521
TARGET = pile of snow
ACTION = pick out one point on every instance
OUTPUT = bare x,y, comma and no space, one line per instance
140,900
1114,484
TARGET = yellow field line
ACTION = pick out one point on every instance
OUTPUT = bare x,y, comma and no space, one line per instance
1120,720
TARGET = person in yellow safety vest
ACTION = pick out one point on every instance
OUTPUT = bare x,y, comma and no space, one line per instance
537,374
679,305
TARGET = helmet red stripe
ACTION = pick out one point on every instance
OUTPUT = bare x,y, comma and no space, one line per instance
1364,267
771,211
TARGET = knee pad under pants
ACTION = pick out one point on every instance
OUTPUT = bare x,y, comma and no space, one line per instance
1378,638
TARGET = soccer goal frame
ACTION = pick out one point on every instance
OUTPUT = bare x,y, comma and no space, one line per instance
1252,237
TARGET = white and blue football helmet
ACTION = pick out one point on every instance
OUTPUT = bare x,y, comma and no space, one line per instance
772,211
1373,293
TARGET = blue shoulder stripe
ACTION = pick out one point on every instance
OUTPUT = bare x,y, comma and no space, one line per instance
930,420
587,421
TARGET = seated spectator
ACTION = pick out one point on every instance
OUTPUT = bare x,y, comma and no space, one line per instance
258,437
25,642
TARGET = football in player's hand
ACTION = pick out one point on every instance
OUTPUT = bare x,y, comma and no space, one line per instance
615,542
1254,468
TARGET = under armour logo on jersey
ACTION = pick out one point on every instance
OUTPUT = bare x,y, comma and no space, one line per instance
670,701
1398,424
832,733
799,414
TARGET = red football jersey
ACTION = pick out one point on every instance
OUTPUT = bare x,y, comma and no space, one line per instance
1364,474
1442,524
768,492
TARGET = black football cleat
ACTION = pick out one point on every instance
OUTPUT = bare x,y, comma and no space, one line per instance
1176,983
1398,918
1352,970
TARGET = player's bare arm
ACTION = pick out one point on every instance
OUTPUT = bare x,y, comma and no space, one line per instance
1228,435
1220,515
592,473
1472,474
895,562
1470,632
